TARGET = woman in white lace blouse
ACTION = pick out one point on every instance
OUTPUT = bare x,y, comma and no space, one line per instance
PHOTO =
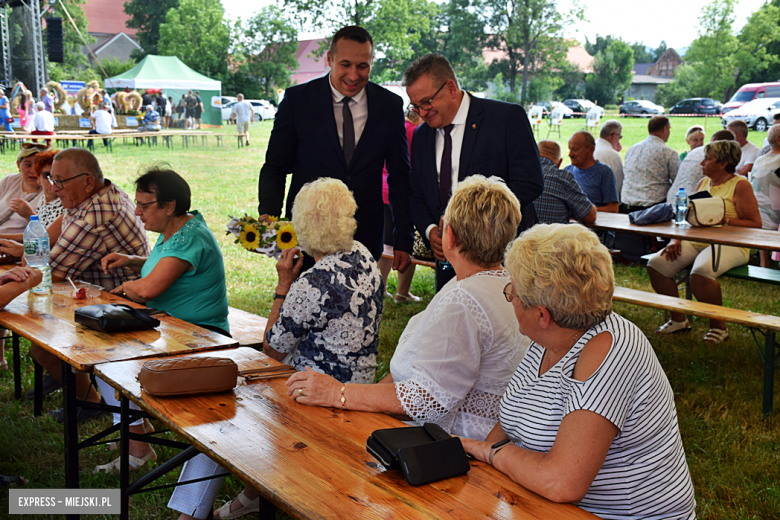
454,359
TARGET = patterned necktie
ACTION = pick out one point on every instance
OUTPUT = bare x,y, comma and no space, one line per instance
445,172
349,131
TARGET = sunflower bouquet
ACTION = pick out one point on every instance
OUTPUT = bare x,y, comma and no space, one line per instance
269,237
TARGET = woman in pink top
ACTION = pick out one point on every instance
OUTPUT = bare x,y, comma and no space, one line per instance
402,295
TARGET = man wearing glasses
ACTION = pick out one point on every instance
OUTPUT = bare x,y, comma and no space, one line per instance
462,136
345,127
99,219
608,147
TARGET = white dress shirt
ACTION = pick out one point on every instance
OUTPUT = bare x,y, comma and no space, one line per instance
103,121
457,132
749,155
606,154
359,108
44,121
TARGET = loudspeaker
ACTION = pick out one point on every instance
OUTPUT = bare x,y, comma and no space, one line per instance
54,40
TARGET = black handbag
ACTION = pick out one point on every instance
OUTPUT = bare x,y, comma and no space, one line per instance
424,453
116,317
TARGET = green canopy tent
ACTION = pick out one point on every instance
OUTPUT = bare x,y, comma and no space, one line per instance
174,78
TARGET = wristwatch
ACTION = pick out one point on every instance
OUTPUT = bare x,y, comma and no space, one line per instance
496,448
278,296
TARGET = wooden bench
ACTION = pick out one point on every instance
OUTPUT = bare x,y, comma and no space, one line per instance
766,324
247,328
417,261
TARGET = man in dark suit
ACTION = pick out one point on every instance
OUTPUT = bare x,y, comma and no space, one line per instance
464,135
345,127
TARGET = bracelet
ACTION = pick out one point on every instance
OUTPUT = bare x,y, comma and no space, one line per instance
123,289
278,296
496,448
343,398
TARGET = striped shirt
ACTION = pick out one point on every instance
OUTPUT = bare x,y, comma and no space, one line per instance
645,474
562,198
104,223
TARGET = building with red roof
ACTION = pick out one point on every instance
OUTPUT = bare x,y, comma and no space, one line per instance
107,23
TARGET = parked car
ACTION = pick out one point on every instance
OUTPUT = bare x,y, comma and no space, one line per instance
546,105
749,92
641,106
263,110
701,106
581,106
567,112
758,114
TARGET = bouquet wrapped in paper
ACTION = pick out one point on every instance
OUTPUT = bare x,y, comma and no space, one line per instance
269,237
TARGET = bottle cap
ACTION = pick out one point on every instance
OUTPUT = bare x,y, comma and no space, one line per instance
33,218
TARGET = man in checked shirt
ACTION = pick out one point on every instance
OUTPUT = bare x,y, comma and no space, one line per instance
99,219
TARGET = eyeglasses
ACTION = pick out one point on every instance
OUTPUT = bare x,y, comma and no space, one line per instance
425,105
620,136
508,294
143,205
60,184
45,175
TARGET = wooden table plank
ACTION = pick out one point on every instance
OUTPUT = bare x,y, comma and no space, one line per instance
49,321
727,235
312,462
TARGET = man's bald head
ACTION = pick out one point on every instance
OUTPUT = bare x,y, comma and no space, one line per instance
83,161
550,149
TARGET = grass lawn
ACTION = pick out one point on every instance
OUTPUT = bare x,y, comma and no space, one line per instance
733,453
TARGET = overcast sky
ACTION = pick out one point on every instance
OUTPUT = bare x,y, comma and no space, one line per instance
648,21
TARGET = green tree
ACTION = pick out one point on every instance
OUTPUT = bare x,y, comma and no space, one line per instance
659,51
755,55
114,66
571,82
197,34
530,32
600,44
641,54
75,60
685,85
268,46
612,71
713,53
146,16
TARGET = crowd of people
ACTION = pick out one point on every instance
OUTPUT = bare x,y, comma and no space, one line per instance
519,352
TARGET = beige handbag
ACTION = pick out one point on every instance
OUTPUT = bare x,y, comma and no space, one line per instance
706,212
188,376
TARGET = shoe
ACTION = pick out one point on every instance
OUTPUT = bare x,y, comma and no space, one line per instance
406,298
135,463
670,327
3,365
247,143
714,336
50,385
388,296
247,508
82,415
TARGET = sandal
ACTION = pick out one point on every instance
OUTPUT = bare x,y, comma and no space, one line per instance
247,508
135,463
671,326
406,298
714,336
148,428
3,365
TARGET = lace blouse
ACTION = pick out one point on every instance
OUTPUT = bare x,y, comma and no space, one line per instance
455,359
48,212
330,318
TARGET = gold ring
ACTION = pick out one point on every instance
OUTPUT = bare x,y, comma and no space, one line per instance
300,392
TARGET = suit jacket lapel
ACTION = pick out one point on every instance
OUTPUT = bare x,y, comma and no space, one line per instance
473,125
371,121
325,106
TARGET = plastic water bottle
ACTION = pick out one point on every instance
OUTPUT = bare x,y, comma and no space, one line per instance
36,253
680,207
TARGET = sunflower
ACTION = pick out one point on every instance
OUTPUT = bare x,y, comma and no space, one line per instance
249,237
273,220
286,237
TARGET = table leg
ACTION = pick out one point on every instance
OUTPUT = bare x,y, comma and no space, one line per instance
769,372
70,424
267,510
124,469
17,365
38,389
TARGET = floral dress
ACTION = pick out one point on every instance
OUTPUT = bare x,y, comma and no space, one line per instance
330,318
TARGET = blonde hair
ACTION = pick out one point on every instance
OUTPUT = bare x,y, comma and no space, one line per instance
565,269
728,152
324,217
772,135
484,215
695,129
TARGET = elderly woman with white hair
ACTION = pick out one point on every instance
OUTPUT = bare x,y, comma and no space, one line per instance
766,186
694,136
589,415
720,180
324,320
454,359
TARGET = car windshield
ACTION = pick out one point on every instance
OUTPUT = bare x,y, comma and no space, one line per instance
743,96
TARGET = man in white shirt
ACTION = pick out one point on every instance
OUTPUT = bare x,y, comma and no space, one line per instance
608,147
242,115
749,150
102,121
43,121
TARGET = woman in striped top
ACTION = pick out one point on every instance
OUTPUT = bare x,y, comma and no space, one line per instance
589,416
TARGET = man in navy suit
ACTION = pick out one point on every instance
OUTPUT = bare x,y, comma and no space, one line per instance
345,127
464,135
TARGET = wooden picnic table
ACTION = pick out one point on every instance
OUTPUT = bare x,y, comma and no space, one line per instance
48,321
726,235
312,462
